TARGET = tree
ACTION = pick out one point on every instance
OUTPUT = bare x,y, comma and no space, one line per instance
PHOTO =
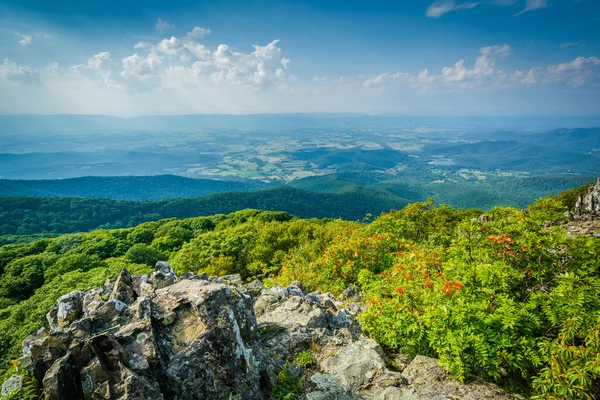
143,254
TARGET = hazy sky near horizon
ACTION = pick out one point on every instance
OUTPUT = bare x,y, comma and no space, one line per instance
444,57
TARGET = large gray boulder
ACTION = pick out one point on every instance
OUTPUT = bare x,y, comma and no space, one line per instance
427,380
590,202
586,219
188,339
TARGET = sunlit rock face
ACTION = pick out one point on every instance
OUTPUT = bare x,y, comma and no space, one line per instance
586,219
590,203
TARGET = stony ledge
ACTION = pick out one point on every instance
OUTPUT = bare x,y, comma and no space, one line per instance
586,219
160,336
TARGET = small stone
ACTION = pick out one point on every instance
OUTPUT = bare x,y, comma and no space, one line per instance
299,285
70,307
233,280
189,275
351,293
122,290
163,276
203,276
11,385
254,288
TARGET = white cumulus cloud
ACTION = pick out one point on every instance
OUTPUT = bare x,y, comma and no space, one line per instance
198,33
486,72
98,67
136,66
183,62
580,72
13,73
483,72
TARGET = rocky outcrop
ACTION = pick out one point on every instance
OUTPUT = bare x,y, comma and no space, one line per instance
585,221
590,202
193,337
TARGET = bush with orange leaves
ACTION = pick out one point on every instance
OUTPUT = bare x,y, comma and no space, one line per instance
340,262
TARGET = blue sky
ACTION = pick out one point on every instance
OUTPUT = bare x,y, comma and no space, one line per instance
444,57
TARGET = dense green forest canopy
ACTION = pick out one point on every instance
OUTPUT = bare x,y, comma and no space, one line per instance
23,219
508,298
38,215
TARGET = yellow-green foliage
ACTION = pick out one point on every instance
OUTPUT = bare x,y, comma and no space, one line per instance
305,359
289,384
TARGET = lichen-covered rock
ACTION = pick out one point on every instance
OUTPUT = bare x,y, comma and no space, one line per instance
590,202
163,337
11,385
357,364
204,327
427,380
232,280
163,276
330,388
586,219
188,339
42,349
70,308
352,293
123,291
254,288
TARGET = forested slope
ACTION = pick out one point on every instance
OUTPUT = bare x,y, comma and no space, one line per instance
37,215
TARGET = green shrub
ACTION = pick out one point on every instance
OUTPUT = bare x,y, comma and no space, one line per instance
143,254
507,299
305,359
289,384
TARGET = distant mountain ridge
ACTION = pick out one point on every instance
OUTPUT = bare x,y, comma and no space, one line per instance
517,191
27,123
518,155
577,140
157,187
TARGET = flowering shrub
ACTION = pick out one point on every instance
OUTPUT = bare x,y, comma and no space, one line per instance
507,299
341,261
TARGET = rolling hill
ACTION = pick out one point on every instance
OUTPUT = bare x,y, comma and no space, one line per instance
509,154
158,187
